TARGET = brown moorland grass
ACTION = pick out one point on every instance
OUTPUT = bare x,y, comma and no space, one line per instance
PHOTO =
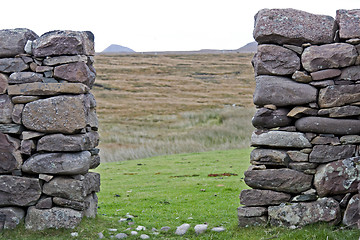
152,105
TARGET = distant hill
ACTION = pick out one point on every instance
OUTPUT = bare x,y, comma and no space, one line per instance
248,48
114,48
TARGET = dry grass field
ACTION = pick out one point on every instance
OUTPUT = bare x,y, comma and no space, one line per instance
152,105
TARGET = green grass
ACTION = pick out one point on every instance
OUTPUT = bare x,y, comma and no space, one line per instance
166,191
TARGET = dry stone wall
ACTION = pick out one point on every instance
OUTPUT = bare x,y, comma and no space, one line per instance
48,129
305,167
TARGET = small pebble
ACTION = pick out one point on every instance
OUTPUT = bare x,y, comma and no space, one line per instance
190,218
218,229
133,232
200,228
74,234
121,236
165,229
122,220
101,235
154,229
129,216
141,228
112,229
181,230
292,227
144,236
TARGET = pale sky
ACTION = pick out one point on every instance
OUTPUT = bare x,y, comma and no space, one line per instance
156,25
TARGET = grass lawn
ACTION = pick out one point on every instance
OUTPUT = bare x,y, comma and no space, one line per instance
172,190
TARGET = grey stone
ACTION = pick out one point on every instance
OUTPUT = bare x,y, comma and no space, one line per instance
302,166
218,229
11,128
25,135
298,156
58,163
344,111
246,222
329,153
290,26
275,60
10,157
41,219
319,140
328,125
47,89
349,22
25,77
325,74
280,139
302,77
252,211
283,180
304,213
45,177
282,91
14,216
8,65
44,203
298,112
42,69
322,84
200,228
294,48
338,177
17,113
266,118
19,191
350,73
305,198
95,161
12,41
6,109
335,55
61,114
27,146
52,61
269,157
57,43
75,72
72,189
3,83
182,229
352,212
68,143
339,95
24,99
76,205
350,139
121,235
257,197
91,202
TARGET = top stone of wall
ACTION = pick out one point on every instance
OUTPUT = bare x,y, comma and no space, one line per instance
290,26
16,41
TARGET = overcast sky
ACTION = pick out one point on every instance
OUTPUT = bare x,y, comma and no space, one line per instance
156,25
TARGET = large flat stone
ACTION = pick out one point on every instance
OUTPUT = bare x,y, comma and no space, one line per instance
282,91
75,72
337,177
25,77
304,213
269,157
58,163
328,125
344,111
282,180
72,189
56,43
9,65
275,60
329,153
52,61
257,197
280,139
47,89
61,114
290,26
56,217
19,191
68,143
349,22
13,41
339,95
335,55
267,118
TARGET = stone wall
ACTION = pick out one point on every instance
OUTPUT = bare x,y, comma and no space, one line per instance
48,129
305,165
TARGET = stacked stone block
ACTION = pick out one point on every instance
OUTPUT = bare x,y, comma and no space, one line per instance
48,129
305,167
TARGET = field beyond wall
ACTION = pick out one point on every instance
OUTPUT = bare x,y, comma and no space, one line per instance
151,105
